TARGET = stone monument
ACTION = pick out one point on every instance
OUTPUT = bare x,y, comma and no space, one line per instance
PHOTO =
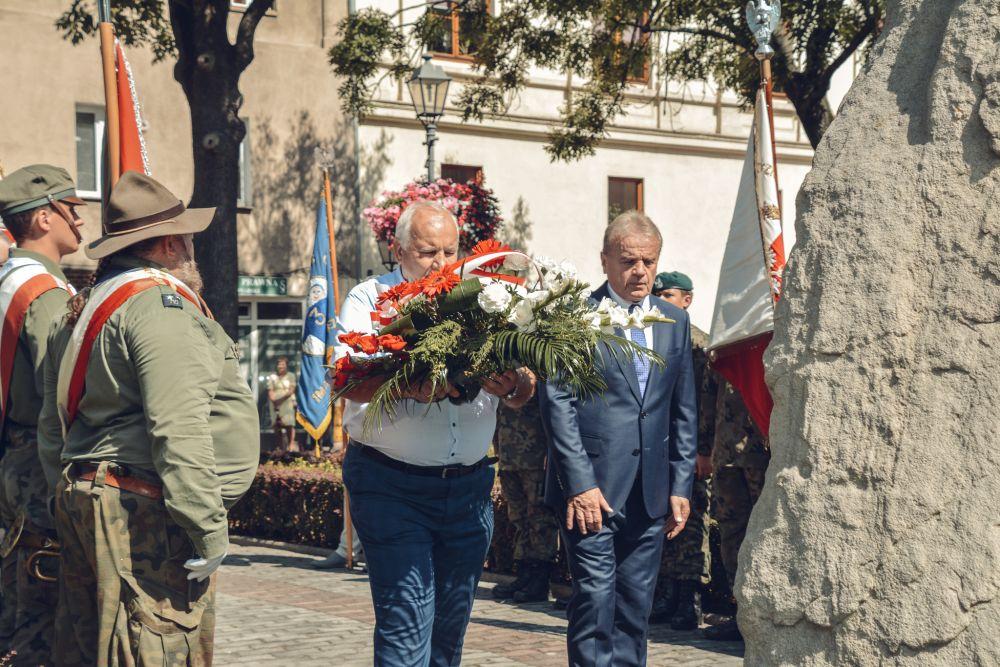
877,538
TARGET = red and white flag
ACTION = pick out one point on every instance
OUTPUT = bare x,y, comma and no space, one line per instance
750,279
131,146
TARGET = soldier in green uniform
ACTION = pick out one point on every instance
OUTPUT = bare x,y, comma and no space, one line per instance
739,457
37,204
159,443
687,559
521,445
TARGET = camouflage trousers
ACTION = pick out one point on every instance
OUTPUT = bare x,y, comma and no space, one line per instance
688,556
28,603
535,525
734,493
124,596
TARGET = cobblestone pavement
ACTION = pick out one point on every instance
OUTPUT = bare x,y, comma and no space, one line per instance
274,610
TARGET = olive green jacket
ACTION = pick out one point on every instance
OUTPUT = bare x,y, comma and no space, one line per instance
26,374
163,394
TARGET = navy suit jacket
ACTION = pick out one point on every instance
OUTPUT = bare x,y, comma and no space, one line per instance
606,440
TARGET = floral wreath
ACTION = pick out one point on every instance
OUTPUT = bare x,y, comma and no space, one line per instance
475,208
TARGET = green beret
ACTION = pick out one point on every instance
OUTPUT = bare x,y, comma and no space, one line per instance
672,280
36,185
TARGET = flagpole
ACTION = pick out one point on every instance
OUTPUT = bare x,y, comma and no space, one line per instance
107,32
327,165
763,17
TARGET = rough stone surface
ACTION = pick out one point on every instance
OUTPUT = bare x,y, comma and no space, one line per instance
877,538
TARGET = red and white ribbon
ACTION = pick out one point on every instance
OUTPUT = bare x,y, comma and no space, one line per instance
104,300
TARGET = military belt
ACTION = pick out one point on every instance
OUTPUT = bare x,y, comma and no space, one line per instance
444,472
120,479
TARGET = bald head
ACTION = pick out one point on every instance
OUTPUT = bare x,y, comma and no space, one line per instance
426,239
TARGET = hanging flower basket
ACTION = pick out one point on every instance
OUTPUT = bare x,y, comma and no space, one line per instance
474,206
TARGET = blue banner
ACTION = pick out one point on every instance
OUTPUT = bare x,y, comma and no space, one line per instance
312,393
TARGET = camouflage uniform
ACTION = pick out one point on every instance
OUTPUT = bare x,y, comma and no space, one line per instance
739,459
26,623
688,557
520,441
125,596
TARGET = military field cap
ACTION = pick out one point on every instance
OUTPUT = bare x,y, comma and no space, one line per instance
140,208
36,185
672,280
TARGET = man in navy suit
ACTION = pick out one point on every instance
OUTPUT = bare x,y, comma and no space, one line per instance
621,464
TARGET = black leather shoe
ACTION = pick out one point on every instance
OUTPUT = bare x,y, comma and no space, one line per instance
687,616
727,631
665,605
506,591
536,588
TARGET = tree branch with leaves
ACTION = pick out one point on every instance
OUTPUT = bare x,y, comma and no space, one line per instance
208,66
603,43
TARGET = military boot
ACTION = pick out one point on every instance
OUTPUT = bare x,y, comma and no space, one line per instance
536,588
665,603
688,613
506,591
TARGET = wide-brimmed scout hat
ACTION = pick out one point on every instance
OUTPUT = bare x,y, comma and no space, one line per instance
140,208
36,185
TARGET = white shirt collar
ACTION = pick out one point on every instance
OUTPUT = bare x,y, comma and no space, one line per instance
625,304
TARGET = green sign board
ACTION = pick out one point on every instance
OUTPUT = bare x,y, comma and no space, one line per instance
262,286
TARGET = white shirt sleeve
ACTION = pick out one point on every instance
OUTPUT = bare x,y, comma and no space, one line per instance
356,314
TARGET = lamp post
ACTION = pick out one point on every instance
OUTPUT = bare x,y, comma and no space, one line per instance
429,90
385,254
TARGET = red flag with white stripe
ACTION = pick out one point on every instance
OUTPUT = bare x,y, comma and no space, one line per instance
750,278
131,146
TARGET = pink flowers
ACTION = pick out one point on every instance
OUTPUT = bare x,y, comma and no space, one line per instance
475,208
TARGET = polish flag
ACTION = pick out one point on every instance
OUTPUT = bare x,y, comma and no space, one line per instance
750,278
132,146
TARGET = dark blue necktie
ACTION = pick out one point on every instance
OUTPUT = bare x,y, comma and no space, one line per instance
640,362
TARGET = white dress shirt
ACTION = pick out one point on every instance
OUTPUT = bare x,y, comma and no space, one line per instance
420,434
631,333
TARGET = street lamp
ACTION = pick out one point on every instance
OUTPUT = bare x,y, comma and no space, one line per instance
385,253
429,89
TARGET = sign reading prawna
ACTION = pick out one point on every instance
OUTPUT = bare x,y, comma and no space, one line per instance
262,286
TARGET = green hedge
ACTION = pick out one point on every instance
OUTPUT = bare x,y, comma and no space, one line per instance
300,500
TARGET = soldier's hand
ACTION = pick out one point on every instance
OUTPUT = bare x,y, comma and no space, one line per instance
585,510
680,510
202,568
703,466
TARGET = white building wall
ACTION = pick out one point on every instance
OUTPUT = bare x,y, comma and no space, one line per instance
685,140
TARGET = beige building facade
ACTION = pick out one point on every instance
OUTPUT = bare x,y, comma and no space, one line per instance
53,112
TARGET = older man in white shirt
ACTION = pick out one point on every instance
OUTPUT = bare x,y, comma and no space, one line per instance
420,485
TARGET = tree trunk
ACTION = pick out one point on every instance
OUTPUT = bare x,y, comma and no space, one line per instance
808,96
208,69
216,132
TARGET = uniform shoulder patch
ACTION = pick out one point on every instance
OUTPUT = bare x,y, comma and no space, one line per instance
171,301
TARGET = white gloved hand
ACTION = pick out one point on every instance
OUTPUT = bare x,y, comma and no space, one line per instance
202,568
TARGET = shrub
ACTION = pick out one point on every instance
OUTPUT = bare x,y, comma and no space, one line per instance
298,504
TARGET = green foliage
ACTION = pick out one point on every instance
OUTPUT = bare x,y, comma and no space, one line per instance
137,22
605,43
297,503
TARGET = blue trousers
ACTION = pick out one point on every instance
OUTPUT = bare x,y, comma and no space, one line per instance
425,540
614,574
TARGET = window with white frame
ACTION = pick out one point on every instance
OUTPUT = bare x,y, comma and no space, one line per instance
89,151
245,197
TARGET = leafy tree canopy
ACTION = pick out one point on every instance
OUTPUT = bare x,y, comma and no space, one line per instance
605,44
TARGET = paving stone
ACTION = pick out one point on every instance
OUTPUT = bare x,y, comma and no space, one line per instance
274,610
